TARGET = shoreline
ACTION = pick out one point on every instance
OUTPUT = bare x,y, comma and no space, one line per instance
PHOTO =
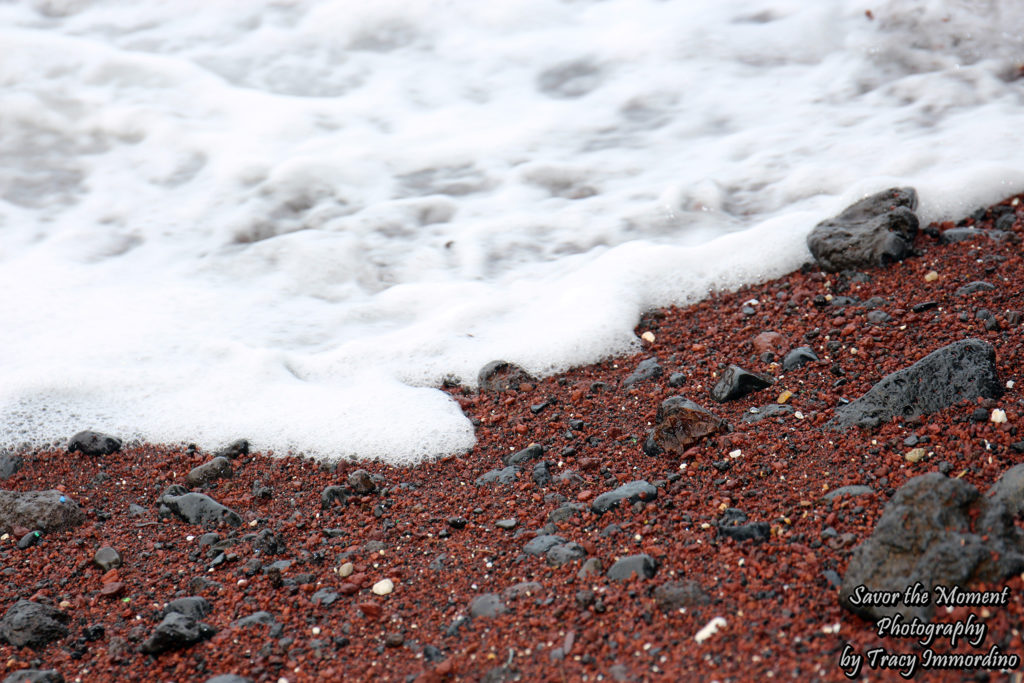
469,600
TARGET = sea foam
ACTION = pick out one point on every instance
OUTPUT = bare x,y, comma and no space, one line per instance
289,221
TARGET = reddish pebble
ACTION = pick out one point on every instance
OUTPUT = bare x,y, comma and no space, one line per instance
772,342
371,609
112,589
584,495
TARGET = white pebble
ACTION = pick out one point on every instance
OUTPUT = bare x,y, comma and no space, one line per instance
383,587
998,416
735,454
346,570
710,629
316,630
648,337
1009,384
915,455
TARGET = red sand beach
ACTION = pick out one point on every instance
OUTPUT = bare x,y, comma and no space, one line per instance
467,601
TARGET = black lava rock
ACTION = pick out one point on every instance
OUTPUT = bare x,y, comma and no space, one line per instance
30,624
94,443
755,531
539,545
10,465
954,235
974,288
260,618
642,565
647,369
176,632
107,558
875,231
334,494
194,607
503,476
531,452
40,510
361,482
266,542
499,375
770,410
218,468
564,553
197,508
233,450
736,383
962,370
29,540
631,492
35,676
542,473
926,535
324,597
878,317
797,357
676,380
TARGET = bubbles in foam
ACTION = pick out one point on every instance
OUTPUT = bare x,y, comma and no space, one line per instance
289,221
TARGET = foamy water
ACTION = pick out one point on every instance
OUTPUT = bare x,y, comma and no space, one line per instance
289,220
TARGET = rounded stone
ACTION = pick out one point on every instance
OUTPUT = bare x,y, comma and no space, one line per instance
383,587
112,589
107,558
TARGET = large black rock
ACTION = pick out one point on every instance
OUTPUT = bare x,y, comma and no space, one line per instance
631,492
736,383
963,370
218,468
30,624
197,508
194,606
506,475
176,632
10,464
94,443
875,231
926,536
38,510
625,568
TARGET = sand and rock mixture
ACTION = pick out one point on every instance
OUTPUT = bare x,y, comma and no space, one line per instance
808,478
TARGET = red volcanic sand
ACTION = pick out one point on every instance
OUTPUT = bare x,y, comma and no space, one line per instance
782,616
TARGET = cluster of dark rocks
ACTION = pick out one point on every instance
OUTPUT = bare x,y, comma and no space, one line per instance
34,624
556,549
926,533
935,530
